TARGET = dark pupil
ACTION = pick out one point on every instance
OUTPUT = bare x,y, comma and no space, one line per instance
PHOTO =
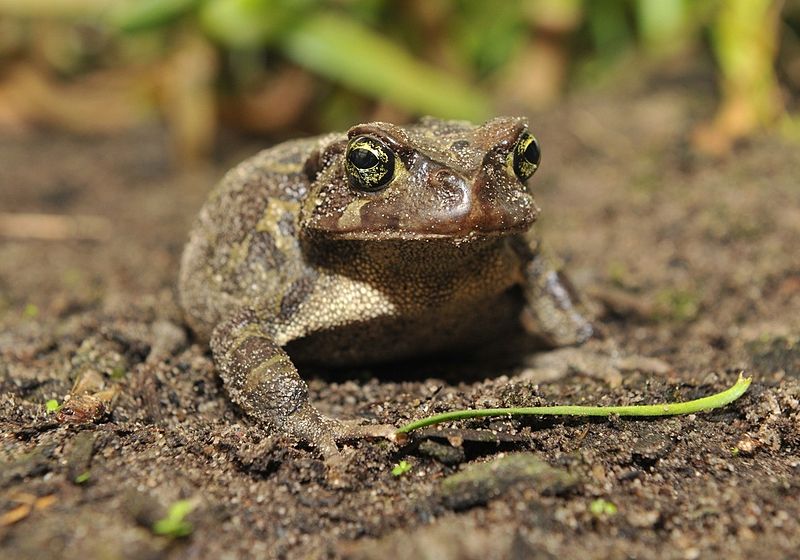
532,153
363,159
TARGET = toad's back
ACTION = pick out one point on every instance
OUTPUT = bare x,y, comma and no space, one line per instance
243,249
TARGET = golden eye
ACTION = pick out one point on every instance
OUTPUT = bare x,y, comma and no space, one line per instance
369,164
525,157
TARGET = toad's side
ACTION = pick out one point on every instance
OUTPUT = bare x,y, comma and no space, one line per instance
384,243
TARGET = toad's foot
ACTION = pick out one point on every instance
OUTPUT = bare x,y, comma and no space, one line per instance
309,426
346,430
261,379
598,359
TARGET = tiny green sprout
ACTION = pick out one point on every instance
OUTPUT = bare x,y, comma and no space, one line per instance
602,507
30,311
174,525
401,468
82,478
677,305
52,406
735,451
617,273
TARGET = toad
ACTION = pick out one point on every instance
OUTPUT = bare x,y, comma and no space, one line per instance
380,244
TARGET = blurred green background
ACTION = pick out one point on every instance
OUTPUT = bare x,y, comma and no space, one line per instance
279,68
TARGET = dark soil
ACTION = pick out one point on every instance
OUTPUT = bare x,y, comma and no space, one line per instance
689,260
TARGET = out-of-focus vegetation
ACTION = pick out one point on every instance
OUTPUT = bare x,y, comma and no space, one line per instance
281,66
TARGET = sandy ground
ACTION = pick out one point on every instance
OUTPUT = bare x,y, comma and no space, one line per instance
689,260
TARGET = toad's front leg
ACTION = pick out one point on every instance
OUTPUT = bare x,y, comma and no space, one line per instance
551,311
259,376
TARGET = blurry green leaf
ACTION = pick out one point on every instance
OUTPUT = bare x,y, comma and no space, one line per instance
52,9
609,27
251,23
743,39
239,23
489,32
140,15
354,55
663,25
367,10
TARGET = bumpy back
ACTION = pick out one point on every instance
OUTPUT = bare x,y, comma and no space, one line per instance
245,239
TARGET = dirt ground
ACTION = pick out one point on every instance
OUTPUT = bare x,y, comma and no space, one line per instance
690,260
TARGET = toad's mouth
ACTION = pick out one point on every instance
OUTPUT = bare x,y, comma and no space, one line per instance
473,217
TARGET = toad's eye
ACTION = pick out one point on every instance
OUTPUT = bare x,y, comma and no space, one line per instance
525,157
369,164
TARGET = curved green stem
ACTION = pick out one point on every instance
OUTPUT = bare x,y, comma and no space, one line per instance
711,402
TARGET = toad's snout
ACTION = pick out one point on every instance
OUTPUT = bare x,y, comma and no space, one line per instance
446,180
480,204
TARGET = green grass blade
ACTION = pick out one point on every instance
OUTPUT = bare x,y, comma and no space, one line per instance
711,402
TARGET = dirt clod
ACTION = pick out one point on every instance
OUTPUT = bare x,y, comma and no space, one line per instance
479,483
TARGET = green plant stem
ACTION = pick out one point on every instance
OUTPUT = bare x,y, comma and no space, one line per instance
711,402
